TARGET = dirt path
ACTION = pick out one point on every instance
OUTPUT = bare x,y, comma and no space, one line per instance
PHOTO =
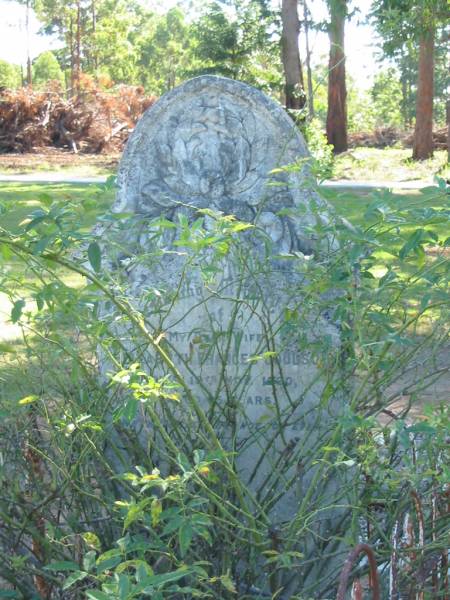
70,177
53,160
45,177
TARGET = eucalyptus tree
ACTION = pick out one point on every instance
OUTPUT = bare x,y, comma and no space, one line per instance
116,49
29,6
10,76
230,34
337,90
66,19
293,72
403,26
165,50
306,27
46,68
96,36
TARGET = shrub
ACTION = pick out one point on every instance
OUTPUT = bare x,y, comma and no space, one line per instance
321,150
85,510
46,69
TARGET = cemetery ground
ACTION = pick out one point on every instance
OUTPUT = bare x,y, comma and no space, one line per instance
18,374
360,163
39,363
59,161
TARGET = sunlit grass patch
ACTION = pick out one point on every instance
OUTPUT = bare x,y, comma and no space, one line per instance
389,164
20,199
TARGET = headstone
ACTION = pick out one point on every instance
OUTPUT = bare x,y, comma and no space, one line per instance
232,310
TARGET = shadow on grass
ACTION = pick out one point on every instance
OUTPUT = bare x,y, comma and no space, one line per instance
20,199
41,367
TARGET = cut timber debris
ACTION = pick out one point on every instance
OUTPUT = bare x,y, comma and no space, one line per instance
93,121
384,137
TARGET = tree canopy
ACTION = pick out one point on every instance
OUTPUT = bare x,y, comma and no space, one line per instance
10,76
125,42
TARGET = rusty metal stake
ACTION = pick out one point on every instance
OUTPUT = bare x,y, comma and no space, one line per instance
343,579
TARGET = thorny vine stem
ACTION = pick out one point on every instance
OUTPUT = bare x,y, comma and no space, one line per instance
138,322
345,574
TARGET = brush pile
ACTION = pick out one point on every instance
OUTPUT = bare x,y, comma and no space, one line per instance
384,137
93,121
440,139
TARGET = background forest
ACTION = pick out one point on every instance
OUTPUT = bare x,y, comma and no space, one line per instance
87,509
106,43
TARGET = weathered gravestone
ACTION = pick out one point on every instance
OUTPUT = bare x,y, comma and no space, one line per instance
232,309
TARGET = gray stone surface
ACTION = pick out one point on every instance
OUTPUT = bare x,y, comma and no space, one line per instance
237,324
213,143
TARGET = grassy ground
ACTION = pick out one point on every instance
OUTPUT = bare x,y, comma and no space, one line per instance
389,164
353,204
21,199
24,198
60,161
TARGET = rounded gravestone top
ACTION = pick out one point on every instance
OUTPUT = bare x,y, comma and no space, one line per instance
211,143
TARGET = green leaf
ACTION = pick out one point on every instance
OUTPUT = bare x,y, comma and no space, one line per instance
107,564
159,580
185,536
155,511
5,251
95,256
173,524
76,576
7,348
264,356
228,583
17,309
240,226
28,399
97,595
42,244
91,540
124,587
135,512
130,409
62,565
31,224
89,560
46,199
143,570
135,564
412,243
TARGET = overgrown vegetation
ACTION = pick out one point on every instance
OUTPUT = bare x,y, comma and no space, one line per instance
87,509
94,121
389,164
106,44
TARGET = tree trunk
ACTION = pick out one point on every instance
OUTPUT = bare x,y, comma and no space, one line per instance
448,130
308,63
94,33
423,131
78,49
405,96
72,58
337,91
290,55
27,27
404,103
